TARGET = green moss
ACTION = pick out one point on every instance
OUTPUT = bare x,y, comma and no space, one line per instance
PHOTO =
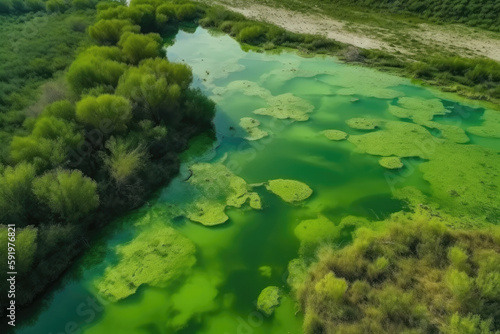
268,300
290,191
390,162
251,126
335,134
490,126
155,257
217,189
399,139
364,123
314,230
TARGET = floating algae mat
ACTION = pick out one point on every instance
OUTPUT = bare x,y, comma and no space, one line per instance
307,150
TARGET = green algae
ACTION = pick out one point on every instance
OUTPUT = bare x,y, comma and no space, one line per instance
450,132
290,191
364,123
195,297
390,162
490,127
208,213
265,271
155,257
378,92
335,134
268,300
465,179
218,188
286,106
313,230
398,139
418,109
251,126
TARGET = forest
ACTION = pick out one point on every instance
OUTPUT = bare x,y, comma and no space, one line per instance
106,131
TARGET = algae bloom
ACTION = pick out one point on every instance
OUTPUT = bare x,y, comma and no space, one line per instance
290,191
391,162
155,257
269,299
335,134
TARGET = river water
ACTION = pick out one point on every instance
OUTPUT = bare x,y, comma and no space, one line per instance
234,261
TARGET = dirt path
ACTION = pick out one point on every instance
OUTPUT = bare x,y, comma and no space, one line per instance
454,39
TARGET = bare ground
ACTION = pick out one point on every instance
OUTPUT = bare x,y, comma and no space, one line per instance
446,39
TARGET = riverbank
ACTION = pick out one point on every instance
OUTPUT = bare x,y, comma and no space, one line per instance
454,57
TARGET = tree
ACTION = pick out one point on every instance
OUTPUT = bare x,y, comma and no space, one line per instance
97,66
15,192
43,153
137,47
60,109
26,246
109,113
108,32
124,159
6,6
155,87
56,6
68,194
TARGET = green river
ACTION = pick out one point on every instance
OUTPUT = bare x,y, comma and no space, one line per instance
156,271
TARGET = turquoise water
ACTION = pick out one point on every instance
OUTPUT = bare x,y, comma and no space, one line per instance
218,293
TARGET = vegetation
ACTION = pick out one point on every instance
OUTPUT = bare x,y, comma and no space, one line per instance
102,145
476,78
413,275
484,14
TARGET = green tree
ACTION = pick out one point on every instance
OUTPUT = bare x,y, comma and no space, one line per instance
56,6
109,113
155,87
137,47
6,6
15,192
68,194
124,159
97,66
26,245
108,32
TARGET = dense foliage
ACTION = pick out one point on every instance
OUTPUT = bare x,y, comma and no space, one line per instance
36,47
104,145
414,275
481,13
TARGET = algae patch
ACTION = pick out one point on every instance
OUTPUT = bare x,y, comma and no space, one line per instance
251,126
284,106
391,162
155,257
268,300
490,127
399,139
418,109
364,123
335,134
217,188
313,230
290,191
